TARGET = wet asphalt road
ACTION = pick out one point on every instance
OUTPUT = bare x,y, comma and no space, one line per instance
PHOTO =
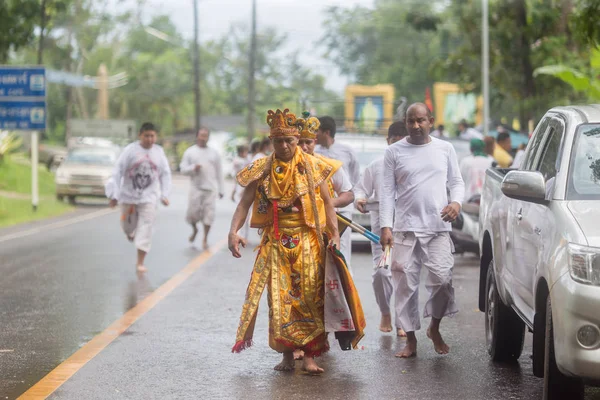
61,288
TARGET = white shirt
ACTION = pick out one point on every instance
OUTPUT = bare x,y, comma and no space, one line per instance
341,184
346,155
370,184
437,134
471,133
258,155
210,175
140,175
417,176
239,163
473,169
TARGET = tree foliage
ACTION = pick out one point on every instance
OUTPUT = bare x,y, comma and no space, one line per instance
17,24
412,45
160,71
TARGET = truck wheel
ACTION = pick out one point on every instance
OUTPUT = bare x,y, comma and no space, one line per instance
504,330
557,385
72,200
60,197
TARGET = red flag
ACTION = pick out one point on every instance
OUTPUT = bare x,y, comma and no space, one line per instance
428,101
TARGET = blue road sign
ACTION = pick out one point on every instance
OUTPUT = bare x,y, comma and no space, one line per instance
22,98
30,115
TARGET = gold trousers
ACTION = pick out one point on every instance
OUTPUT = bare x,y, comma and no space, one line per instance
292,267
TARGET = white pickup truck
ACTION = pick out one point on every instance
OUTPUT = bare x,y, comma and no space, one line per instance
540,253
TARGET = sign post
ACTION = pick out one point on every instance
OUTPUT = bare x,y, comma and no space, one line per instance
23,108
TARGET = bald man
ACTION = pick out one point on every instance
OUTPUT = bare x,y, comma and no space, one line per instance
415,217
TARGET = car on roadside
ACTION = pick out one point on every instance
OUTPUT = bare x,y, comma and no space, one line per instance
540,253
85,171
367,149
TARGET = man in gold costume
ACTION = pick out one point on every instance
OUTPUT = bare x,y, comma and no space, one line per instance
291,203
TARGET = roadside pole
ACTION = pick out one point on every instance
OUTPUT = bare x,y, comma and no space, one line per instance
252,77
35,196
485,68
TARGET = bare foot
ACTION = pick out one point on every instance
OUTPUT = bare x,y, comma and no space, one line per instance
310,366
386,323
400,332
409,350
438,342
194,233
298,354
141,268
287,364
204,245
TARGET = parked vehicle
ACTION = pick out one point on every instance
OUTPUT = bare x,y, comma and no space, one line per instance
85,171
368,148
465,229
540,253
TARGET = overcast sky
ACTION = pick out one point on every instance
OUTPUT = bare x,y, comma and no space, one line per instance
216,16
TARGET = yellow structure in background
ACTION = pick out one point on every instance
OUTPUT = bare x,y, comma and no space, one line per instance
369,109
441,92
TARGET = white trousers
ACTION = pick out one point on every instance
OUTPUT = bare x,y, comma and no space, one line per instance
410,253
201,206
382,278
137,221
346,243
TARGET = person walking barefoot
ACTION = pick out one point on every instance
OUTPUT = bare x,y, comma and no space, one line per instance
415,219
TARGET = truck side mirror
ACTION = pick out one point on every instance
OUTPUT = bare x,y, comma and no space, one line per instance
527,186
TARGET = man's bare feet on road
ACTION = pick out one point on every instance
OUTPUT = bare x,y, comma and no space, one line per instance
193,235
438,342
287,364
298,354
310,366
205,245
400,332
141,268
386,323
409,350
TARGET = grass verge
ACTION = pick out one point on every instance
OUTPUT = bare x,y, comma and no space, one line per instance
16,211
15,177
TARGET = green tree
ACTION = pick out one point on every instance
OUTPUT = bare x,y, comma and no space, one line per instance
17,23
585,21
524,35
396,42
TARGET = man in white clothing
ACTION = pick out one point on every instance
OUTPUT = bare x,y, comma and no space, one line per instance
366,194
203,165
239,162
328,147
473,168
414,203
265,148
465,132
141,176
342,194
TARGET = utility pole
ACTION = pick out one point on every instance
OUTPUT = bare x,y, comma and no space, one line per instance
251,70
485,68
196,62
40,58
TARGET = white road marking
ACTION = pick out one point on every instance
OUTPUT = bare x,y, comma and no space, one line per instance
56,225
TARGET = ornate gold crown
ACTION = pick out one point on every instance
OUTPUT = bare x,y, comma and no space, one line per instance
308,126
282,123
